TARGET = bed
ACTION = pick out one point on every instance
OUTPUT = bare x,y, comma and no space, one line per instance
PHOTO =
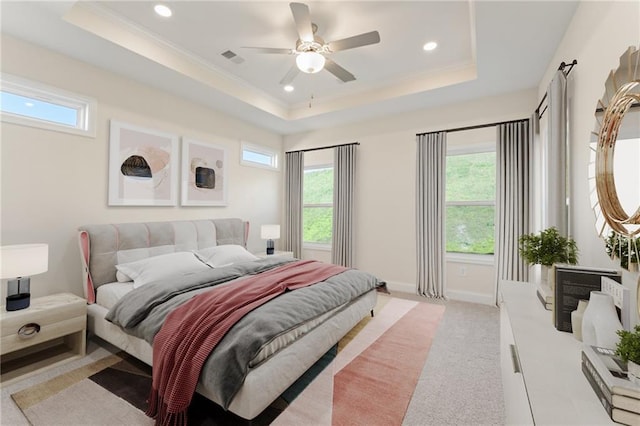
318,316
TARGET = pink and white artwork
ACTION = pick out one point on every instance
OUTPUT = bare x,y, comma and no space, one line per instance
204,177
143,166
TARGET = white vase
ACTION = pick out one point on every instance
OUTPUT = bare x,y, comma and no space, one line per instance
633,372
600,321
576,319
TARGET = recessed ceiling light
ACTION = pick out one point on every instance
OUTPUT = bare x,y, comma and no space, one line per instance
288,88
163,10
28,104
430,46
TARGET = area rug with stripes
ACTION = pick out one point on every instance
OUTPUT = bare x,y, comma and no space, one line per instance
368,379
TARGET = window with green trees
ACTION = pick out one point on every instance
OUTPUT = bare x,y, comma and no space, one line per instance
317,209
470,202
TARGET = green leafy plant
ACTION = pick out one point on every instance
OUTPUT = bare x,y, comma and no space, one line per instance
548,247
628,347
618,247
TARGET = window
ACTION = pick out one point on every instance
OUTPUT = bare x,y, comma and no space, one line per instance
258,156
470,202
317,208
33,104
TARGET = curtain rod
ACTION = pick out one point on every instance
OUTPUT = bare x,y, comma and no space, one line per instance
562,66
324,147
477,126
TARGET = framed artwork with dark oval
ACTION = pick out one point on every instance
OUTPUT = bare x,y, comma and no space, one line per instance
204,177
143,166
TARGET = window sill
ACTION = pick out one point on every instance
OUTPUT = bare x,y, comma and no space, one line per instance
475,259
316,247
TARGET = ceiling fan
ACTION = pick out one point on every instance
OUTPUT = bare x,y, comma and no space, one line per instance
312,50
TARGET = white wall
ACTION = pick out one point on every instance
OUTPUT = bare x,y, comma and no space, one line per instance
54,182
385,198
598,35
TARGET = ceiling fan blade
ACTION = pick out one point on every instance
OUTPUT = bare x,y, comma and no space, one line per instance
356,41
338,71
290,75
302,18
282,51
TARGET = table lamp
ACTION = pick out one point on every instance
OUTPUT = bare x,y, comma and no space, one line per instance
270,233
18,263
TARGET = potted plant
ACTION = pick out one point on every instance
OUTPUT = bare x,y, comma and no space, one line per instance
623,249
628,348
547,248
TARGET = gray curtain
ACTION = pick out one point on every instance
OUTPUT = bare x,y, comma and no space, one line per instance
555,156
514,155
344,177
430,210
294,175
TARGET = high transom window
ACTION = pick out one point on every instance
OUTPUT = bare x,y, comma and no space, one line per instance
34,104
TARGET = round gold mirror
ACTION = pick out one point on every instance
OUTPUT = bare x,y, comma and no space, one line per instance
614,170
615,152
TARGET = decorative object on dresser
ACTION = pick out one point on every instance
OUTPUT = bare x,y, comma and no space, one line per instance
606,375
270,233
51,331
576,319
600,321
574,283
628,348
18,263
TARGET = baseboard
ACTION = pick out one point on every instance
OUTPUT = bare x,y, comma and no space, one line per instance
461,296
468,296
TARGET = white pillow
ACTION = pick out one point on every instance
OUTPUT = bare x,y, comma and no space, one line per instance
224,255
157,267
122,278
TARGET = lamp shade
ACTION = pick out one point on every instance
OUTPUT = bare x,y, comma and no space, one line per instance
23,260
310,62
270,232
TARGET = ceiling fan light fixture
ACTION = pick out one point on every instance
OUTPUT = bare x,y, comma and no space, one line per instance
310,62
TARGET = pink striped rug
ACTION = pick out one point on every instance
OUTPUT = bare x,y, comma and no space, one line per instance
371,381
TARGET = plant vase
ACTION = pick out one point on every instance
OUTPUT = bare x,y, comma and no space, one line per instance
600,321
633,372
545,275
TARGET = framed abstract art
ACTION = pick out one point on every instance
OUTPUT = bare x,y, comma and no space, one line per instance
204,177
143,166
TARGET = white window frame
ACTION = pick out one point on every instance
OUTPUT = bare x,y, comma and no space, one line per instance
307,244
259,149
86,107
473,258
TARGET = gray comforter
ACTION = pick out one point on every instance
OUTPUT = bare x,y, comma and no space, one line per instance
142,313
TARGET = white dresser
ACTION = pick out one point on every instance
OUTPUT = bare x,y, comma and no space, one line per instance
551,388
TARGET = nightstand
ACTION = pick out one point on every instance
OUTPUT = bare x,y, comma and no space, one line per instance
276,253
48,333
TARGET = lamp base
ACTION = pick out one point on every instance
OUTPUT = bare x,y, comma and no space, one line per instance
15,302
270,247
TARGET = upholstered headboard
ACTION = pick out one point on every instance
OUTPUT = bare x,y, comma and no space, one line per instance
102,247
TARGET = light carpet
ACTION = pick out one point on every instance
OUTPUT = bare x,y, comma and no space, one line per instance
370,381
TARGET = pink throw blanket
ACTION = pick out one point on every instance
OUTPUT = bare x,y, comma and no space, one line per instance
191,332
